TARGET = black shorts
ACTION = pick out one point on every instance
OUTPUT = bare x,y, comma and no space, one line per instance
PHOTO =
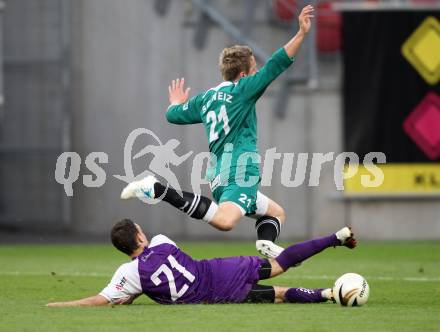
262,293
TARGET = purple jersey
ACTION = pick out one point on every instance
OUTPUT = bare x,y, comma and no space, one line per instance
169,276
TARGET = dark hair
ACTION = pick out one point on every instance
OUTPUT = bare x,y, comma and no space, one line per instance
123,235
234,60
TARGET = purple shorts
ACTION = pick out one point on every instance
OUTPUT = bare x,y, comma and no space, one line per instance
232,278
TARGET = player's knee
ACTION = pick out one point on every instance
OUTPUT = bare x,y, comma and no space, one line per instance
227,217
280,214
275,210
223,222
226,225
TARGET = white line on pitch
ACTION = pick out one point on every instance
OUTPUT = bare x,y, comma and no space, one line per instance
55,274
310,277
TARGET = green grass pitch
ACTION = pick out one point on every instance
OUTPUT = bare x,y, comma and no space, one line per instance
404,278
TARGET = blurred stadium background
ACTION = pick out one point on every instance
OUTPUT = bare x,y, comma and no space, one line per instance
81,75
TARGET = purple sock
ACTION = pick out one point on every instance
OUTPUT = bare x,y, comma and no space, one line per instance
304,295
299,252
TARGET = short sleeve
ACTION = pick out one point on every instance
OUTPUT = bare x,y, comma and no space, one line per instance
124,285
161,239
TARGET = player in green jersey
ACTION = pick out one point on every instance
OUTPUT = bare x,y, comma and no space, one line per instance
227,112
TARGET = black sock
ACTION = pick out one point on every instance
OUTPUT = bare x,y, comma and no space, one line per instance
196,206
268,228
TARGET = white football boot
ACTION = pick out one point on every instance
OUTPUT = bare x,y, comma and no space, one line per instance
141,188
268,248
345,235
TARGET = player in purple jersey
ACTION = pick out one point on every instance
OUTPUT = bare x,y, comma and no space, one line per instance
163,272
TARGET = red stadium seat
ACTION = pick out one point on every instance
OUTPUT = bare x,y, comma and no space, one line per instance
328,28
285,9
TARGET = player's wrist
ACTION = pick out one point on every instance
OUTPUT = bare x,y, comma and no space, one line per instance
301,33
175,102
179,101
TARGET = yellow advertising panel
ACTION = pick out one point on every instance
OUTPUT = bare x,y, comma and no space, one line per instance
397,179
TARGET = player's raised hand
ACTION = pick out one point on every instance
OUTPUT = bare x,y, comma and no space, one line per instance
177,92
305,19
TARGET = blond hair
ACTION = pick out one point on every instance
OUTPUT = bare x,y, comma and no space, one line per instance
234,60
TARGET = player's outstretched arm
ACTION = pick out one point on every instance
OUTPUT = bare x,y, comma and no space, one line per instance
97,300
182,109
253,86
305,23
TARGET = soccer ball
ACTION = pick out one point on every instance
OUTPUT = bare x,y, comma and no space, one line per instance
351,290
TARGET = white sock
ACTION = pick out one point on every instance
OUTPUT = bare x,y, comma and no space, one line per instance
212,210
327,293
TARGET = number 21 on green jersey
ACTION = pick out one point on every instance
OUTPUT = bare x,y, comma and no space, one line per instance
213,118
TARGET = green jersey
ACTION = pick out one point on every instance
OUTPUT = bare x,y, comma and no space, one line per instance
227,112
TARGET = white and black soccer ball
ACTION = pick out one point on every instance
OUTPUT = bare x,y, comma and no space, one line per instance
351,290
